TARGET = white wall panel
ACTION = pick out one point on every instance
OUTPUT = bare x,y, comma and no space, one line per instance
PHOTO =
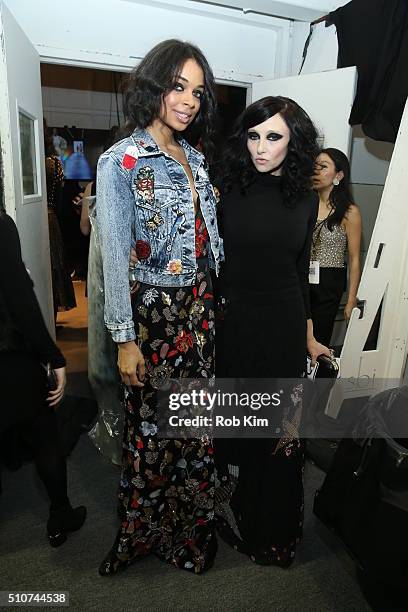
322,52
329,113
84,109
370,159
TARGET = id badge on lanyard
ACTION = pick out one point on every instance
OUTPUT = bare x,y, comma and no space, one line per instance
314,273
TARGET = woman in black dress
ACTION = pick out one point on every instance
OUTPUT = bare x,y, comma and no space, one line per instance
268,212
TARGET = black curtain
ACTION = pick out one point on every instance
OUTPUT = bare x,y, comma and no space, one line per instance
373,35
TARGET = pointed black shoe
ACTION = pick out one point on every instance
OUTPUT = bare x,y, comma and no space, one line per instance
63,521
111,565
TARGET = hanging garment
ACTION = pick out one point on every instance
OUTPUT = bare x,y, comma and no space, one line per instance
374,37
103,373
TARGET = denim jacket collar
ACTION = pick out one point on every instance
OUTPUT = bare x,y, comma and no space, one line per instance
148,146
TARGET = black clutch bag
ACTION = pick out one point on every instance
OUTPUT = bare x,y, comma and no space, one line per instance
325,367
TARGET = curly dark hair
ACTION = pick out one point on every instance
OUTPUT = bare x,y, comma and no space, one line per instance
155,76
298,166
340,197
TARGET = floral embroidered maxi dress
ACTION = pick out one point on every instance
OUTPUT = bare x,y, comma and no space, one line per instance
166,493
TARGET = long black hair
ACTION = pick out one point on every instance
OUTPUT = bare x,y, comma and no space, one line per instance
340,197
298,166
155,76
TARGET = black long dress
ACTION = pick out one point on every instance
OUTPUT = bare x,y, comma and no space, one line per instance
264,290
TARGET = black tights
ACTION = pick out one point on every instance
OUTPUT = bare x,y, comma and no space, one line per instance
24,410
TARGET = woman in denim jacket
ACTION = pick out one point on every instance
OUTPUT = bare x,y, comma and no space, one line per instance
153,193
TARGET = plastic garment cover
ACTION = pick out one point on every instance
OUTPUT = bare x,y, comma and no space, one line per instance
102,357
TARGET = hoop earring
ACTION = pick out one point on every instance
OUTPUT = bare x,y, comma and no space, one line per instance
336,182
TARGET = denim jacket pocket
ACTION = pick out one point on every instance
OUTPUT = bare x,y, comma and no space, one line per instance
153,210
165,196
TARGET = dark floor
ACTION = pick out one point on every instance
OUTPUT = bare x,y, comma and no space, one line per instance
72,336
319,580
322,577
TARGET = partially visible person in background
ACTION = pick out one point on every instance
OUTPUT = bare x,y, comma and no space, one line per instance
337,233
86,202
75,244
60,144
29,396
62,287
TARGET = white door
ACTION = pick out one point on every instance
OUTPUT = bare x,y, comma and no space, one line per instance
21,135
327,97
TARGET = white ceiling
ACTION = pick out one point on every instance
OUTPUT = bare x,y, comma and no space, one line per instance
301,10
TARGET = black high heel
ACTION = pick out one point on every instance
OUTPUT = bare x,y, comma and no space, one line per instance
64,521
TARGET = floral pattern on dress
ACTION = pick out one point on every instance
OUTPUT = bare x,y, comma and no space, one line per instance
201,237
166,493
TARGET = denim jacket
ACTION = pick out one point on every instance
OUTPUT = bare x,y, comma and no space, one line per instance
144,201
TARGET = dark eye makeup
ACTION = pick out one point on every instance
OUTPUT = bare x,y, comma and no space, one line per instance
198,93
273,136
